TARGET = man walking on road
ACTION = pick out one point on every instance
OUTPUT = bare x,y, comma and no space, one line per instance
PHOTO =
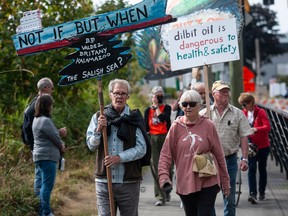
126,147
233,129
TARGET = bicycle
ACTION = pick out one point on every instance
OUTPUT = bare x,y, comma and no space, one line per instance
252,152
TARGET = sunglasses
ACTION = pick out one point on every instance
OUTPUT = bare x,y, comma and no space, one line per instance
244,105
191,104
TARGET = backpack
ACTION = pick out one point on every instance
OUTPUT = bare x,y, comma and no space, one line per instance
26,127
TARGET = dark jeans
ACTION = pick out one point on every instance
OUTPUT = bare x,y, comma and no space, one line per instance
200,203
261,157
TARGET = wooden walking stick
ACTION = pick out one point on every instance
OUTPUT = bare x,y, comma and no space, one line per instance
207,98
105,142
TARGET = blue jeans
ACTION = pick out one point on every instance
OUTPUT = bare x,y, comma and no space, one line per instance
229,202
261,157
37,181
48,175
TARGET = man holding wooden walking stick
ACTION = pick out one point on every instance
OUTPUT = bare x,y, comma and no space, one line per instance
126,146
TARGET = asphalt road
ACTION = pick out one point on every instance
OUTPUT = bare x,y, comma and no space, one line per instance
276,202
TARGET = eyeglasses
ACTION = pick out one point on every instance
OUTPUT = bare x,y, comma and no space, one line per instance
244,104
119,94
191,104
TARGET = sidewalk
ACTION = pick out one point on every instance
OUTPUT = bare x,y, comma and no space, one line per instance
276,202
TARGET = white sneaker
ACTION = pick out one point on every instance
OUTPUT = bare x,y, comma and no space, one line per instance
159,203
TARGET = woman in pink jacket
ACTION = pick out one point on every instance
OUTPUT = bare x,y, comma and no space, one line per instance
189,135
260,126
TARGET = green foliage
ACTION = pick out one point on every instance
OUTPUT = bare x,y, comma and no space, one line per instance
264,26
170,92
74,105
282,78
16,196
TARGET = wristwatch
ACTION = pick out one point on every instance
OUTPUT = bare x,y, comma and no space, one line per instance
244,159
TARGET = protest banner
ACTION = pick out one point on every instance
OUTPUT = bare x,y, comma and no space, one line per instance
203,44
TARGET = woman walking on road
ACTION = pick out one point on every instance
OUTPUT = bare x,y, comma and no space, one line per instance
260,125
192,135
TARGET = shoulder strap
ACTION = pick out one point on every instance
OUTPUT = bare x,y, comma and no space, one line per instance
145,161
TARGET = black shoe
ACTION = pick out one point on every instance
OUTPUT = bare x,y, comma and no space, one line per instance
167,197
262,197
252,199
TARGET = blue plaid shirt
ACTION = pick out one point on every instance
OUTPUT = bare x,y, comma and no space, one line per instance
115,147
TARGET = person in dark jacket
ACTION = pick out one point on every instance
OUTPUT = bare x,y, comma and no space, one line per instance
260,127
157,121
47,149
44,86
126,147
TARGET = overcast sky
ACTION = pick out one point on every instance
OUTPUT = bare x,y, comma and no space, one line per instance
280,6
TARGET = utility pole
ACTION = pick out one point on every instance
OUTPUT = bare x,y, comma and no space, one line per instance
258,66
235,69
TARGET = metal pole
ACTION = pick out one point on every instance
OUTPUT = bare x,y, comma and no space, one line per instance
105,142
257,55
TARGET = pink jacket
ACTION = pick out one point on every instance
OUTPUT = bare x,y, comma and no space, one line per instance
177,147
262,124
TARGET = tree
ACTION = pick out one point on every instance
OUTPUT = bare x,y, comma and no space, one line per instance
264,26
14,81
17,87
73,108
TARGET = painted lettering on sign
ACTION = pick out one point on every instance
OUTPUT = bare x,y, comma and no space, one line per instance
96,56
144,14
209,43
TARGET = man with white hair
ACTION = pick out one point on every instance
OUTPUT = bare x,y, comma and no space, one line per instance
44,86
233,129
200,88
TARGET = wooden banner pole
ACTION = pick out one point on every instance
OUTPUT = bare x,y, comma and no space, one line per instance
105,142
207,98
195,76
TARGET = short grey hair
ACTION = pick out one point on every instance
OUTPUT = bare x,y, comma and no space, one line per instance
197,85
43,83
190,95
157,89
112,83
